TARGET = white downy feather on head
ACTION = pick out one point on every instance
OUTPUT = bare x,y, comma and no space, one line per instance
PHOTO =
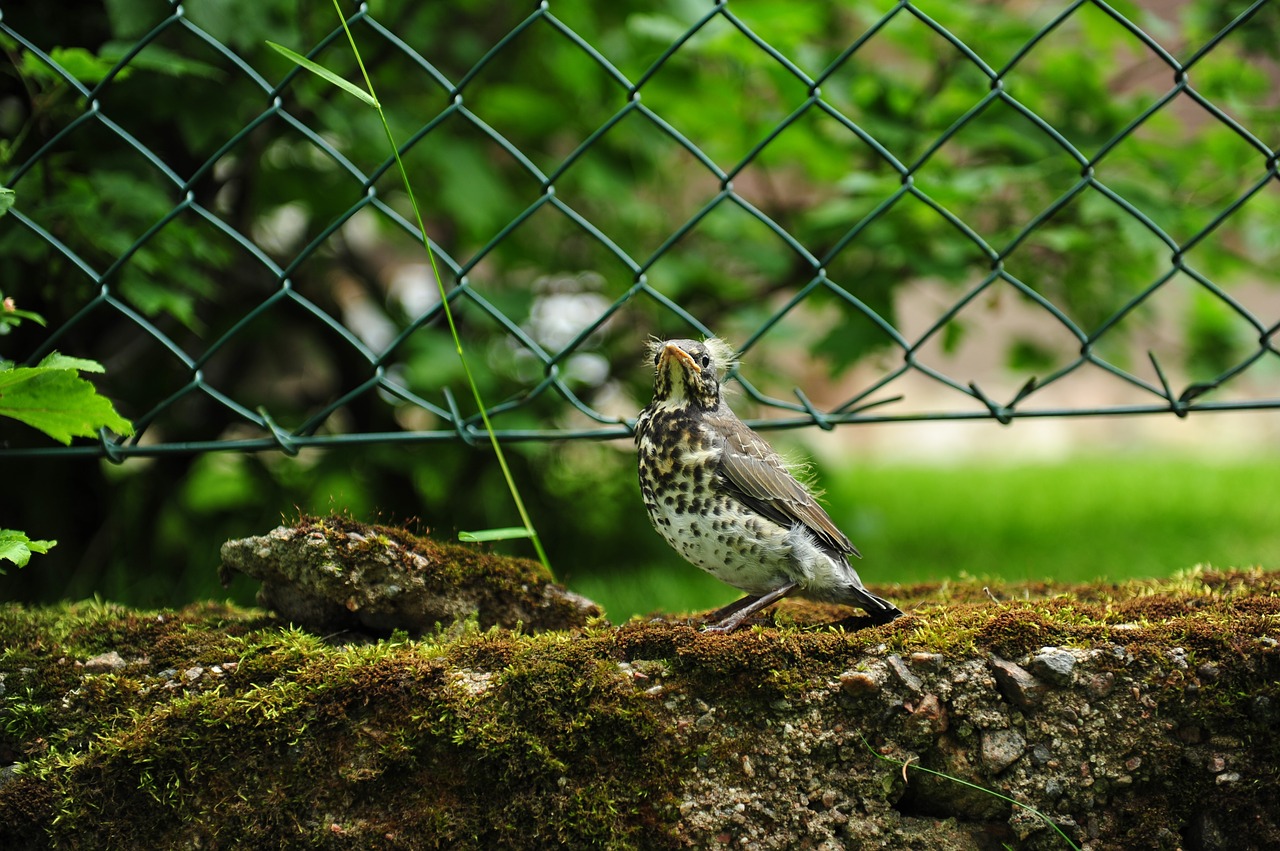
721,353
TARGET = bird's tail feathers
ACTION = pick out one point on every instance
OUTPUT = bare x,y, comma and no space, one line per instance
880,609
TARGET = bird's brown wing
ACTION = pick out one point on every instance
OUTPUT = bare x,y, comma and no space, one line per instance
761,479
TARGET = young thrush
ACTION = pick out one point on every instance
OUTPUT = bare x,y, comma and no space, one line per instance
725,500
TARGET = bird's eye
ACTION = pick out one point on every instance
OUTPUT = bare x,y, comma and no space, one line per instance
706,361
656,357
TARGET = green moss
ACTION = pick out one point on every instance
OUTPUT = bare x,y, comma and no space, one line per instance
452,566
546,732
220,727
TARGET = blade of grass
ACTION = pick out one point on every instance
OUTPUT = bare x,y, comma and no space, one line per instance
370,97
321,71
504,534
1014,801
444,301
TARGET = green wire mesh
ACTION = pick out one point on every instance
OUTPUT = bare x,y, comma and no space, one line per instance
397,376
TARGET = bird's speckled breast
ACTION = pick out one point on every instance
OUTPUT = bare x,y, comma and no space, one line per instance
678,460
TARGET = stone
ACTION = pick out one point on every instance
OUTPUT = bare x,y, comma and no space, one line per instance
1053,664
103,662
859,683
929,715
900,670
333,574
1001,748
1017,685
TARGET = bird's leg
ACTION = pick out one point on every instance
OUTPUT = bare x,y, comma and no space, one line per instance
724,612
747,607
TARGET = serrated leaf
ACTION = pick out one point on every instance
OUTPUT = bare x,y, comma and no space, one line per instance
503,534
58,402
323,72
17,547
54,360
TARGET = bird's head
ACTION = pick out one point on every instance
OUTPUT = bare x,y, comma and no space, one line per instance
687,370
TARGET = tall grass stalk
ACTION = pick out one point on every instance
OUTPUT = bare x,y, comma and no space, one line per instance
372,99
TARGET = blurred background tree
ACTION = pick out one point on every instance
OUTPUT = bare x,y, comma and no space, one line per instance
176,192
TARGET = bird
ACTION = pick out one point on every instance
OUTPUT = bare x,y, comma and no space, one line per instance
727,502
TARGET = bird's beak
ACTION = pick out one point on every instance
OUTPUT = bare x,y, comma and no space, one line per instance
671,350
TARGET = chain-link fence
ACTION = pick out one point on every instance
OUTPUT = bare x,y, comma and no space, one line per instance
1090,189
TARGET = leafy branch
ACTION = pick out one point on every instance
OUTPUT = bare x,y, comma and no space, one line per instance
51,397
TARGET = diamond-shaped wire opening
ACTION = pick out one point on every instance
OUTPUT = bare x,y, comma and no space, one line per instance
815,173
1000,337
553,238
535,120
1089,77
511,383
357,272
98,214
1193,334
570,319
458,168
998,173
286,163
1157,167
803,340
302,363
988,29
337,124
150,101
906,86
625,39
902,237
723,92
453,40
728,259
1090,259
808,39
215,266
666,184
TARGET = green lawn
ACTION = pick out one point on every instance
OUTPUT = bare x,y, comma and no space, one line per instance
1112,517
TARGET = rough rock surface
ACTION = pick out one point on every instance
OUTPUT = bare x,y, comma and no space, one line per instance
1152,728
335,573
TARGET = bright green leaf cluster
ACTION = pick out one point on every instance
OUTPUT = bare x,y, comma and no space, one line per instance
55,399
17,547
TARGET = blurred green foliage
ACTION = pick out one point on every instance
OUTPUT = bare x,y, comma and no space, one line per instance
273,201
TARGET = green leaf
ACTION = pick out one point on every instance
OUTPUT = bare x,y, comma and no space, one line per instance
503,534
321,71
17,547
76,62
54,360
160,60
54,398
7,197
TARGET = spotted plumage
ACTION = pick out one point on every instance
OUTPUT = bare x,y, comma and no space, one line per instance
725,500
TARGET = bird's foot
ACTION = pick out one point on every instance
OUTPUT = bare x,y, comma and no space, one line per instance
745,608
